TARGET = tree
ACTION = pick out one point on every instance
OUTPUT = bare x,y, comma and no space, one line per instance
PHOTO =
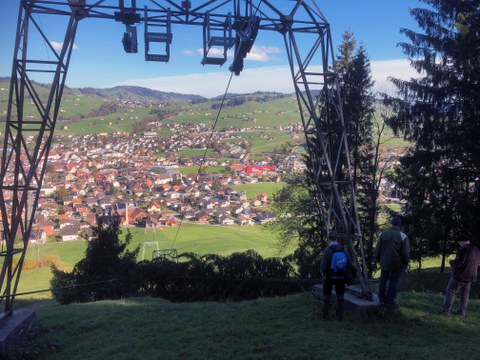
298,219
216,186
105,272
356,85
297,207
62,193
439,112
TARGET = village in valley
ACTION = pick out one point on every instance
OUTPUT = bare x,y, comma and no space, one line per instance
152,180
86,178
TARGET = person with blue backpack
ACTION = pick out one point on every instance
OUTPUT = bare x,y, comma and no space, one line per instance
335,266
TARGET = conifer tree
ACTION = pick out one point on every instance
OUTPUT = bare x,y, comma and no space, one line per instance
356,85
106,271
297,206
439,112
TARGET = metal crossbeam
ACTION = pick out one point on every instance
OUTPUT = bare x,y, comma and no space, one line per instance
312,69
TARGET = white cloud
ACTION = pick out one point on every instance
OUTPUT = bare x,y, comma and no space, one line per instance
262,53
58,45
257,53
382,70
213,52
189,52
272,78
214,83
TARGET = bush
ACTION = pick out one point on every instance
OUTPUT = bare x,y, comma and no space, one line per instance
240,276
109,271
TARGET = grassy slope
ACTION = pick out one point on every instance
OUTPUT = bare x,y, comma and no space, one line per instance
265,114
276,328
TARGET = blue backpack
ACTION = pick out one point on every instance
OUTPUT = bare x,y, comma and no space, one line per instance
339,262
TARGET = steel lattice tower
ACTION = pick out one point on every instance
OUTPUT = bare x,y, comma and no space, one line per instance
226,24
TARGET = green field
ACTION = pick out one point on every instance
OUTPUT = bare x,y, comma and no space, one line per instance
195,152
253,189
266,114
212,239
200,239
206,169
249,114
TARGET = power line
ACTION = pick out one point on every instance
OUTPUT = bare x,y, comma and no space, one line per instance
70,287
207,148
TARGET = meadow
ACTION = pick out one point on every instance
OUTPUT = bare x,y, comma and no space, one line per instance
249,114
199,239
258,188
265,114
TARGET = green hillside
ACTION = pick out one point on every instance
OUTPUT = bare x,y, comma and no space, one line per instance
277,112
80,108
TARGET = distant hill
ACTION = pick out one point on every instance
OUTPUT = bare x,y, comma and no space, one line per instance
93,110
132,93
140,93
256,95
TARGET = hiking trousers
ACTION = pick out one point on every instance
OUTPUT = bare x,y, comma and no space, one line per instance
388,286
454,286
328,285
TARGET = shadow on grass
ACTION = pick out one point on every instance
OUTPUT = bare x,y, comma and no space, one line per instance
287,327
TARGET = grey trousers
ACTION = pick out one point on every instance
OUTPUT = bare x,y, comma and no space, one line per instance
454,286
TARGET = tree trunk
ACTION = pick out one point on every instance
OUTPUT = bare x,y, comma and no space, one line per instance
442,267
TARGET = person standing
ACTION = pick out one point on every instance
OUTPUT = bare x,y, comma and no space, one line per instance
464,272
392,252
334,266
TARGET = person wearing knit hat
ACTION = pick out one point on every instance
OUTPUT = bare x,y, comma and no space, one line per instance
392,252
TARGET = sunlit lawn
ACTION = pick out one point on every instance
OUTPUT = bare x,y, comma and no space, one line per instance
200,239
253,189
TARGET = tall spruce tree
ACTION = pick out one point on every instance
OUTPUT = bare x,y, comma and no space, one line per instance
356,85
440,113
297,206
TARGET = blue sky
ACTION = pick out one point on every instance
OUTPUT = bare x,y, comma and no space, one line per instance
99,60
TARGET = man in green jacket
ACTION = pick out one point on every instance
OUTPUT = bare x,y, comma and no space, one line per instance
392,252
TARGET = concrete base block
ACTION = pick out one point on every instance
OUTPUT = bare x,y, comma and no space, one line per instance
14,328
353,298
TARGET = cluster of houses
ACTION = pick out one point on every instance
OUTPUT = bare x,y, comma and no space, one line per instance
92,175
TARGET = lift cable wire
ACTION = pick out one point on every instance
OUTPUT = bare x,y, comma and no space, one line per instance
70,287
211,135
207,148
202,279
47,51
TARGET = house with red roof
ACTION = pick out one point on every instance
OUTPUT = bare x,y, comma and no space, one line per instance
262,197
154,207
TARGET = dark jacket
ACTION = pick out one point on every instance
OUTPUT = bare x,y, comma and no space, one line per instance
327,272
466,263
393,250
